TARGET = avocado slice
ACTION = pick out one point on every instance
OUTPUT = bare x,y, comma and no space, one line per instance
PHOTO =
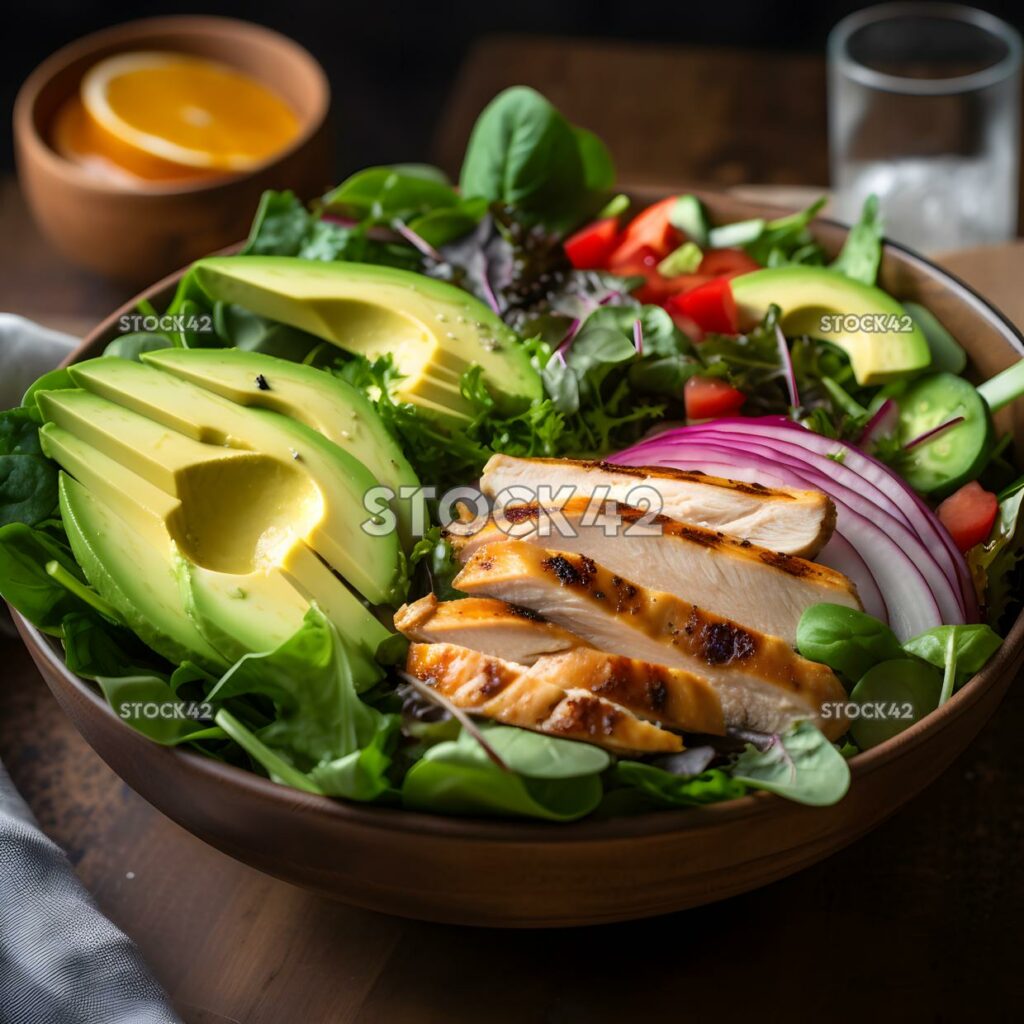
892,346
433,330
314,397
236,614
191,443
134,575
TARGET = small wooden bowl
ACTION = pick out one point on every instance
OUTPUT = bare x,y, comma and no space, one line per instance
525,874
137,234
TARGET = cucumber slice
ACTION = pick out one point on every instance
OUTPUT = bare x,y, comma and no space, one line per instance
940,464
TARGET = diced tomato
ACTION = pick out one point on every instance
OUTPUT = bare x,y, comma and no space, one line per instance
969,515
710,397
727,262
711,306
643,261
650,229
590,247
687,326
658,289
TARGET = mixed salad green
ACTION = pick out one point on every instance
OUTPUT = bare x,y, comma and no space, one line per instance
634,323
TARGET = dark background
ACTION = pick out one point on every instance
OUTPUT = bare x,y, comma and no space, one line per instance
391,65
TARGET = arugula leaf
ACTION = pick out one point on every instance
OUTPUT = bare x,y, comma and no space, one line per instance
280,227
801,765
437,556
996,562
862,251
284,227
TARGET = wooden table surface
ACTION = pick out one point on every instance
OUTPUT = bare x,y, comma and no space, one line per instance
919,921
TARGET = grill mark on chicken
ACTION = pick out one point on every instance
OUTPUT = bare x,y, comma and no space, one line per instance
549,698
576,573
585,715
519,513
724,643
654,472
632,517
788,563
797,521
696,633
526,613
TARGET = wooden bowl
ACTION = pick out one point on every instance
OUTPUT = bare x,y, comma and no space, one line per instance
524,874
139,233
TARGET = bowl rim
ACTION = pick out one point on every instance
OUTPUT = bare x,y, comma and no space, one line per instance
515,830
135,32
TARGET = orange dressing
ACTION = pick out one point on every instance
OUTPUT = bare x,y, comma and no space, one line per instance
162,117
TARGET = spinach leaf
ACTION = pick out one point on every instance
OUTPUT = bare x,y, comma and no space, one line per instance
131,346
94,647
276,766
457,777
441,226
312,679
801,765
384,193
55,380
362,774
19,433
973,645
24,581
847,640
544,757
239,328
891,697
28,489
149,704
663,788
523,152
862,251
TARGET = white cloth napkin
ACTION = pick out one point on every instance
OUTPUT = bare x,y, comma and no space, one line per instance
26,352
61,960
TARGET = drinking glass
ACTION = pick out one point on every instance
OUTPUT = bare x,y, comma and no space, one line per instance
924,111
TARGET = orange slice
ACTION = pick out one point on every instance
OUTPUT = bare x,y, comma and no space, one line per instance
158,113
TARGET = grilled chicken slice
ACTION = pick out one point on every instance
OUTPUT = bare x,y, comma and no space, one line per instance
527,697
782,519
763,684
672,696
486,625
760,588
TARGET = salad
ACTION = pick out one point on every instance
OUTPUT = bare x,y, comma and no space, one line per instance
509,497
